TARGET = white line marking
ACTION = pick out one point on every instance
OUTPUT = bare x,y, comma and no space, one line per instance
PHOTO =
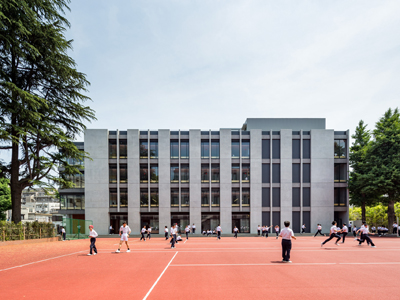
270,264
148,293
372,263
35,262
185,241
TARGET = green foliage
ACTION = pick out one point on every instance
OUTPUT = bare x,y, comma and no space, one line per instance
397,209
354,213
5,197
10,231
375,215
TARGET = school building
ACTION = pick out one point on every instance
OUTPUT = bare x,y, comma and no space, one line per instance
263,173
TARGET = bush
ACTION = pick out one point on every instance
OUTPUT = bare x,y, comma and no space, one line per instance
25,231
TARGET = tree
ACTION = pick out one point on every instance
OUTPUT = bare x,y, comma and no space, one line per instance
41,95
5,197
377,215
384,157
360,189
354,213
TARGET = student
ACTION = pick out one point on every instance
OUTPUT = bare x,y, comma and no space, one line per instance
209,232
365,231
333,234
166,232
361,231
204,232
373,229
355,232
187,230
259,230
124,233
287,235
178,238
219,230
111,229
64,235
92,234
277,231
395,228
173,236
267,230
235,231
143,231
319,228
148,233
193,228
303,228
345,231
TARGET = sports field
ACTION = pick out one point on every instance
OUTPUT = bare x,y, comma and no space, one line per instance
201,268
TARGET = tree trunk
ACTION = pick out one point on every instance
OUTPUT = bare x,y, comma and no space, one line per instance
391,215
14,182
363,218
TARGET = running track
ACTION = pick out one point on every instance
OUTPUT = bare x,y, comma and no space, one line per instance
201,268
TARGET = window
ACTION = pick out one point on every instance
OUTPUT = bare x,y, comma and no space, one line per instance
78,181
123,198
112,148
265,197
235,197
205,197
276,197
113,173
153,174
265,173
306,173
185,197
154,197
306,149
340,196
184,149
235,149
214,149
144,198
144,175
123,173
245,149
123,149
205,149
245,173
184,173
153,149
174,197
113,198
266,149
276,173
340,172
214,173
241,221
246,197
215,197
296,197
205,173
295,149
174,173
144,147
306,197
296,173
276,149
235,173
340,149
174,149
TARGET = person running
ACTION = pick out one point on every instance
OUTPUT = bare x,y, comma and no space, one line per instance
193,228
235,231
142,232
187,230
361,231
333,234
287,235
166,232
148,233
303,228
92,234
259,230
319,228
277,231
345,231
365,236
173,236
262,231
219,230
267,230
124,233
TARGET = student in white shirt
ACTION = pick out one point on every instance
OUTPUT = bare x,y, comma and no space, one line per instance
395,228
173,236
111,229
166,232
361,231
287,235
235,231
219,230
193,228
365,236
263,230
92,234
319,228
148,233
259,230
303,228
142,232
267,230
277,231
333,234
124,233
187,230
63,233
345,231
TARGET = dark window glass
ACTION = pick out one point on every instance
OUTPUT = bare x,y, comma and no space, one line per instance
209,221
153,174
174,132
306,149
144,147
205,197
214,197
295,173
245,173
235,149
235,197
266,219
153,149
185,197
245,197
214,173
205,149
113,174
340,149
306,132
241,221
245,149
235,173
174,197
214,132
295,149
276,197
205,133
266,149
214,149
174,173
154,197
184,173
184,149
265,173
112,148
296,221
113,198
295,132
144,198
123,149
184,132
143,133
235,132
174,149
265,198
276,218
153,132
340,196
123,198
276,149
306,173
307,221
306,197
276,173
340,172
245,132
123,173
144,175
296,197
205,175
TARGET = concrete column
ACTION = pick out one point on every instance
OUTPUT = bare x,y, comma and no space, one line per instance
164,179
96,179
225,180
255,179
195,178
133,180
286,176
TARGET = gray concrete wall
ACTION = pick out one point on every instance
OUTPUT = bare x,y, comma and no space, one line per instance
96,179
226,180
133,180
255,179
164,180
266,124
286,176
195,178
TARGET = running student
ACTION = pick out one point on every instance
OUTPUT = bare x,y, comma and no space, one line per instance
319,228
277,231
166,232
124,233
303,228
235,231
287,235
267,230
148,233
333,234
345,231
219,230
187,230
365,236
143,231
263,230
173,236
92,234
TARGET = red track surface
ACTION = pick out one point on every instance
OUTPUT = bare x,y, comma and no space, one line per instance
201,268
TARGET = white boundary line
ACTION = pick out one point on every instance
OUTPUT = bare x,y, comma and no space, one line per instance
185,241
159,277
281,264
227,250
39,261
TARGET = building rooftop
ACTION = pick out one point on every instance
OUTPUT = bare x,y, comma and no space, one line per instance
284,123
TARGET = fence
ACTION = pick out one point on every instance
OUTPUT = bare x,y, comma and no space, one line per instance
76,229
26,231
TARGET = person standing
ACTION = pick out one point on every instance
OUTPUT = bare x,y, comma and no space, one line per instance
193,228
303,228
187,230
267,230
124,233
395,228
143,231
333,234
92,235
166,232
287,235
63,233
277,231
263,231
235,231
259,230
319,228
219,230
173,236
148,233
345,231
111,229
